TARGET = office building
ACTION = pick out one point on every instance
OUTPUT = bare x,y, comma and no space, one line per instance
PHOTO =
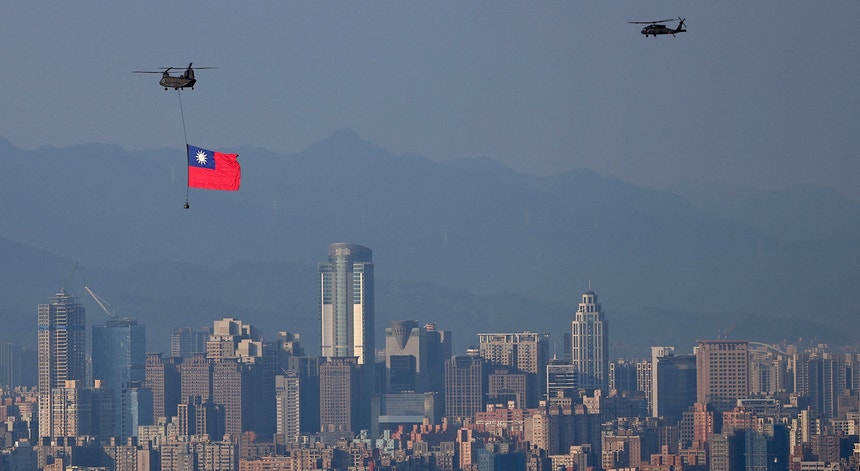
415,357
623,376
119,359
589,337
561,381
652,390
677,376
722,373
62,351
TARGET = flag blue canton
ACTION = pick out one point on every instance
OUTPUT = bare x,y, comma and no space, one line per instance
201,158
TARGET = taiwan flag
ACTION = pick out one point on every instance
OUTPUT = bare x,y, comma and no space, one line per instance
212,170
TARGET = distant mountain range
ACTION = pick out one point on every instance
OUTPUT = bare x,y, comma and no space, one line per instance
469,244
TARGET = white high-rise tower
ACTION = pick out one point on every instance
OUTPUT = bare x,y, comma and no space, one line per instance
589,344
346,303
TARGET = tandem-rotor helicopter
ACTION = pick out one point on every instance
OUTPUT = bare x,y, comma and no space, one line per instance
654,27
181,81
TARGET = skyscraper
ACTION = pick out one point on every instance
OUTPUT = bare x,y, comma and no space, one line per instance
589,339
346,303
347,335
62,351
119,359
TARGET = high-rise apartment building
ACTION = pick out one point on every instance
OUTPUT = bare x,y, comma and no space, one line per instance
227,334
197,417
527,352
164,380
243,377
722,373
346,303
79,411
465,386
507,385
822,377
195,377
119,360
62,351
589,349
288,409
340,406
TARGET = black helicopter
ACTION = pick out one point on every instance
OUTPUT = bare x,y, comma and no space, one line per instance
654,27
183,80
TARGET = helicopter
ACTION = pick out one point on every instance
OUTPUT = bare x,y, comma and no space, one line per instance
181,81
654,27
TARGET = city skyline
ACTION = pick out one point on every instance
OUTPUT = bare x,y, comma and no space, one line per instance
709,394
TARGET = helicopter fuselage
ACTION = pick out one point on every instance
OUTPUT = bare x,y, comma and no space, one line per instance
176,83
654,30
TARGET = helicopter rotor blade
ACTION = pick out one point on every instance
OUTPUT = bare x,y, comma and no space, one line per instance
650,22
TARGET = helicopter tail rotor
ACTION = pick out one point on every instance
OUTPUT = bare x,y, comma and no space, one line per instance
681,22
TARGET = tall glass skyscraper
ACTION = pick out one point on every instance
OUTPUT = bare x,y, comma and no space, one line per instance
62,351
346,303
347,330
589,344
119,361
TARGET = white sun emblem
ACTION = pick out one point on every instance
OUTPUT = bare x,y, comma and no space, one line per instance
201,157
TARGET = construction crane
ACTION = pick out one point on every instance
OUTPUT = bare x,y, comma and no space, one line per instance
102,304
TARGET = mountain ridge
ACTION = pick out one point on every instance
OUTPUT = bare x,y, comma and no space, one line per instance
472,227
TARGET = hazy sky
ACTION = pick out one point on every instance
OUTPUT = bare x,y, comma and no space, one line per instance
763,93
